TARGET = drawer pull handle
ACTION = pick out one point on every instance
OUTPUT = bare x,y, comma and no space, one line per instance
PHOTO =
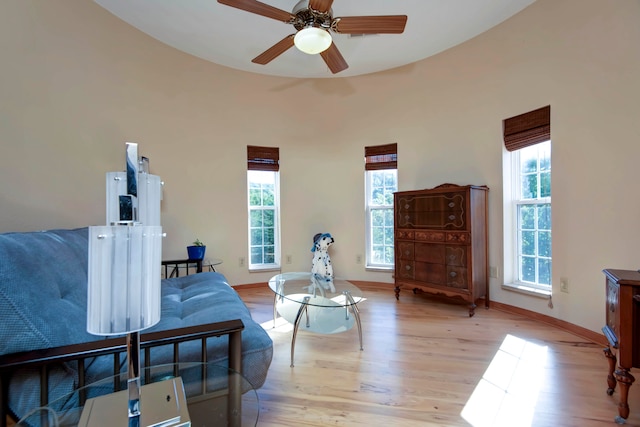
452,217
407,253
406,206
408,267
451,204
612,308
453,274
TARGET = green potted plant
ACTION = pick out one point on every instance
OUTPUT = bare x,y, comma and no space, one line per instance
196,250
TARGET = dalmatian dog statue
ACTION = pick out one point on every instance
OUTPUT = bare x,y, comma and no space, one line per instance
321,268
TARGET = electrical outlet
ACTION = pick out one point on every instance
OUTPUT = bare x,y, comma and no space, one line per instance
358,259
241,261
564,285
493,272
288,259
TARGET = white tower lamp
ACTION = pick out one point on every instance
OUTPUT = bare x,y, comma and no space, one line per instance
124,265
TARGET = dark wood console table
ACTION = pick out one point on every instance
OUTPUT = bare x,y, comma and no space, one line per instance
622,332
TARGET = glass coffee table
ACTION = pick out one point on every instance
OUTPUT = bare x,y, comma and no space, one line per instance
210,402
329,307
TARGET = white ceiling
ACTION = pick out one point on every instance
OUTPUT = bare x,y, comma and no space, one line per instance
232,37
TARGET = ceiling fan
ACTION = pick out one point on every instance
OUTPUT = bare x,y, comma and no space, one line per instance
314,21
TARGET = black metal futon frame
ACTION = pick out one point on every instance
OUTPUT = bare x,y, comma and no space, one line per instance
46,358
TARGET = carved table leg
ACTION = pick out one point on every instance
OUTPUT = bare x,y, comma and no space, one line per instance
611,380
397,290
625,379
472,309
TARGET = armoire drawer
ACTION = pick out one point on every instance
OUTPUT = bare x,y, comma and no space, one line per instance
457,277
405,250
405,269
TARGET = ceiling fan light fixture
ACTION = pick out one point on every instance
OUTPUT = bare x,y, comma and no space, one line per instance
312,40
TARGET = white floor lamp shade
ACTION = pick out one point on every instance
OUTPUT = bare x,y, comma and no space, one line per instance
149,197
124,278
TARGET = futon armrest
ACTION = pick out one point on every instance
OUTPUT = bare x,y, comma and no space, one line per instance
45,358
72,352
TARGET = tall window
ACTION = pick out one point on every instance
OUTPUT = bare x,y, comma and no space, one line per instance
381,181
527,138
263,200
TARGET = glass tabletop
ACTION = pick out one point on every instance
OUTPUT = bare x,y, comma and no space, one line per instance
209,402
315,290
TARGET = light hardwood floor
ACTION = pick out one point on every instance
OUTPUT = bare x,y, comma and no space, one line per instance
426,363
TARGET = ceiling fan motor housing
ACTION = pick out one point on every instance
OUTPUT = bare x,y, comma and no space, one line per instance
307,17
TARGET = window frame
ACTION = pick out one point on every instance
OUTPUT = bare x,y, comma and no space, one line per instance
378,159
276,222
519,132
513,275
370,263
264,160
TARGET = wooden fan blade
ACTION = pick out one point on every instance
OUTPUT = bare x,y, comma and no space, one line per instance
321,6
258,8
384,24
334,59
274,51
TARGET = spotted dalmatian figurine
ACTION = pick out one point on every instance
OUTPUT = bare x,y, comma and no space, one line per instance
321,268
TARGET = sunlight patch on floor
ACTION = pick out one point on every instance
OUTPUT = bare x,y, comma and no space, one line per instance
507,394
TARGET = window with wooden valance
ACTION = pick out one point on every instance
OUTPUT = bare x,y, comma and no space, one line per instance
381,157
527,129
263,158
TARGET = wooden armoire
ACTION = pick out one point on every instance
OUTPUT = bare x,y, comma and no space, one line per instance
441,242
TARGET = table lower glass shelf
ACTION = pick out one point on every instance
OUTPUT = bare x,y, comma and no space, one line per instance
329,318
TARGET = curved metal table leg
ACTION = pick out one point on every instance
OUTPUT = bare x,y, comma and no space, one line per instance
278,293
275,311
303,308
356,314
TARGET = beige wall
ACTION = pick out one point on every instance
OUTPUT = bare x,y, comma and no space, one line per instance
76,83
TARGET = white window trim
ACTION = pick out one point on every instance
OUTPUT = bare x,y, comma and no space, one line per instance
278,256
511,168
369,265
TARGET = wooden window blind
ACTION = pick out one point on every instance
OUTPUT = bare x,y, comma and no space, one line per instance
263,158
381,157
527,129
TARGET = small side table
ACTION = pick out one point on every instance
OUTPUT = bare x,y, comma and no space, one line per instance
172,267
